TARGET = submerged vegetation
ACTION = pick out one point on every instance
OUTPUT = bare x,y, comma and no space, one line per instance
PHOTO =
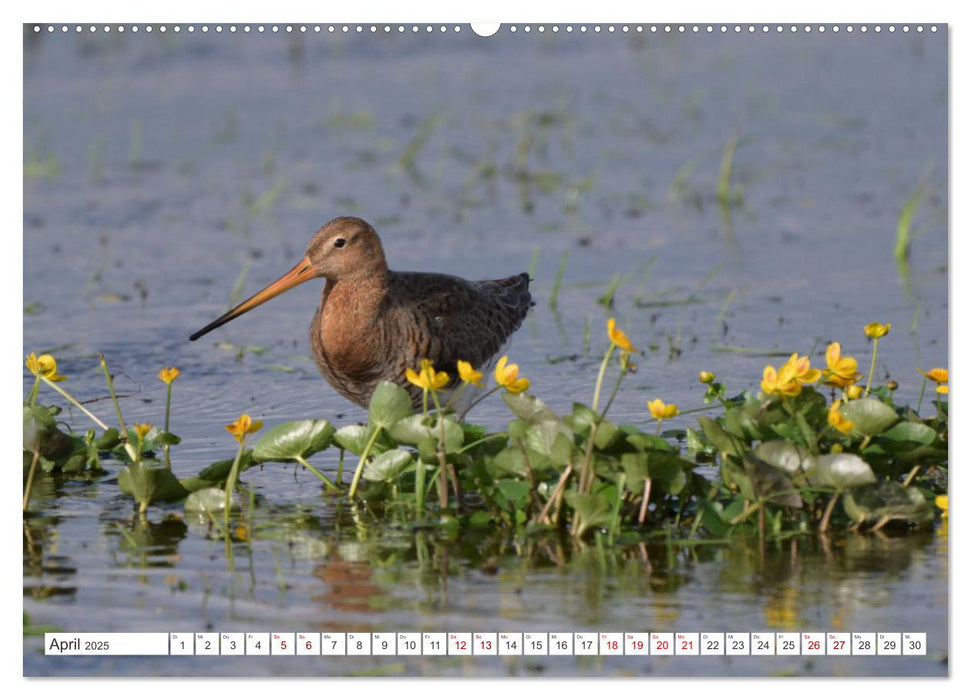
771,464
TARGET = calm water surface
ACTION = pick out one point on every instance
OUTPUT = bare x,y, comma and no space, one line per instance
163,171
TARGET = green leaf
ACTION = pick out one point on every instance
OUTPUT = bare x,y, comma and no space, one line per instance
388,466
218,471
353,438
841,471
480,518
909,431
528,408
552,439
725,443
389,404
713,519
741,424
643,441
150,484
771,483
582,419
869,416
416,428
512,461
513,493
790,458
591,509
209,501
109,439
890,501
42,435
288,441
607,435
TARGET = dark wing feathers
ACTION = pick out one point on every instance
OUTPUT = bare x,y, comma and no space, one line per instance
447,319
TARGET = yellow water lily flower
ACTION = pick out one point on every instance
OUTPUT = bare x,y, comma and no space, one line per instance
468,374
840,371
142,429
618,337
661,410
938,374
941,502
508,376
168,374
706,377
782,381
243,426
854,392
876,330
802,372
837,419
44,365
426,377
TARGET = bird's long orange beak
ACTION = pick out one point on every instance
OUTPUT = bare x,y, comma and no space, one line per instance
303,271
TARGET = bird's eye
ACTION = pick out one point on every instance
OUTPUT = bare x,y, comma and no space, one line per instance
340,242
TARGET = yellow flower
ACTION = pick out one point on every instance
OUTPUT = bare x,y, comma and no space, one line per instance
840,371
801,369
45,365
661,410
782,382
837,419
941,502
142,429
426,377
876,330
938,374
168,374
469,375
618,337
508,377
853,392
706,377
243,426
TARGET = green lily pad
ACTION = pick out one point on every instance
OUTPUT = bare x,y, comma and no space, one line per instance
150,484
591,509
841,471
528,408
388,466
108,440
890,501
608,434
42,435
740,423
770,483
790,458
208,501
869,416
288,441
643,441
354,438
418,428
389,404
725,443
513,493
513,460
553,439
909,431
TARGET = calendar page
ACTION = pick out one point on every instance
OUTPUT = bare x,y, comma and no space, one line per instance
527,349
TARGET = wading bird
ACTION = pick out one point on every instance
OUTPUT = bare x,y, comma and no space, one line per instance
373,323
